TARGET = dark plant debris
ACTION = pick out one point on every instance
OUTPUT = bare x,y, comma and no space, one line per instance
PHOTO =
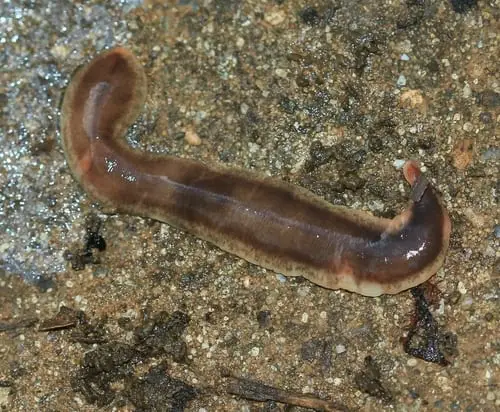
369,380
488,98
463,6
5,383
425,340
318,156
93,240
89,333
310,16
162,335
264,318
109,363
83,331
318,349
157,391
65,318
102,367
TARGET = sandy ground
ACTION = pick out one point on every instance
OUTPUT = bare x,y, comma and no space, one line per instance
330,95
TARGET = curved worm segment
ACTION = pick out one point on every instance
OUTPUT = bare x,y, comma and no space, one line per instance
265,221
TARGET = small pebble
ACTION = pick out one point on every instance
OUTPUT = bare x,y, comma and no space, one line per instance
414,99
340,349
244,108
254,351
398,163
463,153
466,91
240,42
275,17
192,137
281,278
468,127
492,153
280,73
60,52
496,231
401,80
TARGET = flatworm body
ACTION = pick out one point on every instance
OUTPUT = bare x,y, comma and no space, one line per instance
263,220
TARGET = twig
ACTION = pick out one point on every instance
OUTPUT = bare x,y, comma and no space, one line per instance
257,391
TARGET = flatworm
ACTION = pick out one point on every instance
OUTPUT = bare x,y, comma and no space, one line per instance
263,220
